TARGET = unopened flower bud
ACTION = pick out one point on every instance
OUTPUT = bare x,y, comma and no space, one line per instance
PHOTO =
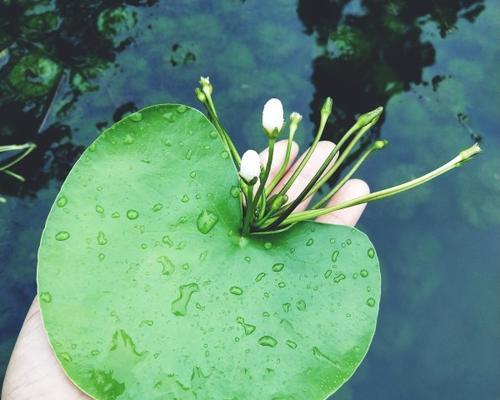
250,166
295,119
200,95
327,107
370,117
206,86
272,118
467,154
380,144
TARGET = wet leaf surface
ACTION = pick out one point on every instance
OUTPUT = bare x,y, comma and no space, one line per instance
147,289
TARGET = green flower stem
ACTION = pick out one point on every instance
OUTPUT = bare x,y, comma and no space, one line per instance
249,209
381,194
275,205
263,205
210,106
325,113
378,145
262,185
28,147
222,132
364,123
281,172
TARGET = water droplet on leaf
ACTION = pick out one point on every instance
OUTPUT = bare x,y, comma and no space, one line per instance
46,297
260,276
278,267
62,201
132,214
235,191
63,235
268,341
236,290
371,253
301,305
179,305
167,264
316,351
66,357
128,139
248,328
101,238
169,117
206,221
136,117
166,239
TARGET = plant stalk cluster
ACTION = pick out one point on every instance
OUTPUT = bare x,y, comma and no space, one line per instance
267,209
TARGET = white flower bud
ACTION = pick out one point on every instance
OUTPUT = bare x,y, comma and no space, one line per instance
295,117
206,86
250,165
204,80
272,117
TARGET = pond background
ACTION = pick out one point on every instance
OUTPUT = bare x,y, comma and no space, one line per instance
68,71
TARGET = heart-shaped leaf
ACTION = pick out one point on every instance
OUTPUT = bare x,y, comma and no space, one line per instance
148,291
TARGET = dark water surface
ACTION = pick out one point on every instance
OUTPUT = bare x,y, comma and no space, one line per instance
70,69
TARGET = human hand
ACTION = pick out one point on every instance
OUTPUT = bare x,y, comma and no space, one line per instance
34,372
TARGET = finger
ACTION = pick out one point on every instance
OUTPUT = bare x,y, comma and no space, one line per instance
321,152
279,157
348,216
33,370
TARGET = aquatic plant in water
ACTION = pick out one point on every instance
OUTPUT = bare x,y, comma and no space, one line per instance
171,267
22,150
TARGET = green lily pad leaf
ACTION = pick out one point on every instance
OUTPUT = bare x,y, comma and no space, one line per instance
148,291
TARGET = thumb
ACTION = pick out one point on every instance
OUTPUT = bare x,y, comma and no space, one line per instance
33,371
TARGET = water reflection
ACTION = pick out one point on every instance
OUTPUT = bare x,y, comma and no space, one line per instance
372,50
69,69
49,54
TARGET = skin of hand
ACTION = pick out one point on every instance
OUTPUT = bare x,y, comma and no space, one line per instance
34,372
